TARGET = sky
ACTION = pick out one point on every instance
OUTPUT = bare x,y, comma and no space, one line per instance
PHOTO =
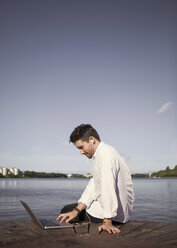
110,63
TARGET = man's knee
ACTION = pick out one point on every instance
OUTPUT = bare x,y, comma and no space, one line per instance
68,208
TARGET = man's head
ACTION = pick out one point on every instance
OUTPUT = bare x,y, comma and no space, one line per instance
86,139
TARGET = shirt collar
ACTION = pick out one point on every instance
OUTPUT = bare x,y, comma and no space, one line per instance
94,155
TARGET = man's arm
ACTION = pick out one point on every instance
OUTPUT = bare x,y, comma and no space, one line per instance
72,214
85,201
109,170
87,196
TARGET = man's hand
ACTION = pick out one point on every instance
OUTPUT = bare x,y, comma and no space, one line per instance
109,228
67,216
72,214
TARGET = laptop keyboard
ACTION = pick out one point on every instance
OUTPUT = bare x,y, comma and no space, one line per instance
49,223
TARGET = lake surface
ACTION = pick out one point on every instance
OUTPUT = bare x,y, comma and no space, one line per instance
155,199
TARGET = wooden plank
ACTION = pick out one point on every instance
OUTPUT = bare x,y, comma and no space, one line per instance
33,228
147,230
9,236
172,242
7,233
166,233
131,226
24,230
16,231
86,241
133,234
30,226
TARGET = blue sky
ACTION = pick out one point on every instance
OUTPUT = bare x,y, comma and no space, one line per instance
108,63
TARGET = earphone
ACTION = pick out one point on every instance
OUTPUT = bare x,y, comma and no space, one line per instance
92,142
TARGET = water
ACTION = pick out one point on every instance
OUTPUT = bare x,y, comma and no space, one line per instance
156,199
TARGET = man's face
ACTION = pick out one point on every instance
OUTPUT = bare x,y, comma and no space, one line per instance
85,148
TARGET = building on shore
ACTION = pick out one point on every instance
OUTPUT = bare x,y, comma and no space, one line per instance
13,171
88,175
69,175
4,171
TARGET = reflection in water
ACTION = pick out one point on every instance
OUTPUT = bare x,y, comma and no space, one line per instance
155,199
8,183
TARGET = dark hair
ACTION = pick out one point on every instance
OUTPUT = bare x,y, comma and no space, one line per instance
83,132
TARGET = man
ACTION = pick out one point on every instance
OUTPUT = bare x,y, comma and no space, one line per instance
109,195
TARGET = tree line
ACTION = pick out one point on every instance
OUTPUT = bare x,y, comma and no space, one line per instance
162,173
166,173
33,174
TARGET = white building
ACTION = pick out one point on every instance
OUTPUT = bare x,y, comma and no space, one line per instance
15,171
4,171
69,175
88,175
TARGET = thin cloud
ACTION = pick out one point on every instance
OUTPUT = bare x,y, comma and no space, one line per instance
164,108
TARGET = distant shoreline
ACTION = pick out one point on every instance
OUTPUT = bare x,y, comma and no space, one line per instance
167,173
147,178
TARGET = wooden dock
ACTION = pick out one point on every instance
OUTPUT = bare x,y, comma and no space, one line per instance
133,234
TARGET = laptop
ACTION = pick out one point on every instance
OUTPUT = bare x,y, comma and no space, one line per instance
46,224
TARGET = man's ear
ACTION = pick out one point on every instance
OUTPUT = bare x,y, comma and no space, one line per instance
91,140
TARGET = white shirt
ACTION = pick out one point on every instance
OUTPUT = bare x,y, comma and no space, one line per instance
109,194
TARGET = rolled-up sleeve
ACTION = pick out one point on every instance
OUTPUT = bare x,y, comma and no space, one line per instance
87,196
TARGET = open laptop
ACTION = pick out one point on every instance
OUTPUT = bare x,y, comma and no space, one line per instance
46,224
